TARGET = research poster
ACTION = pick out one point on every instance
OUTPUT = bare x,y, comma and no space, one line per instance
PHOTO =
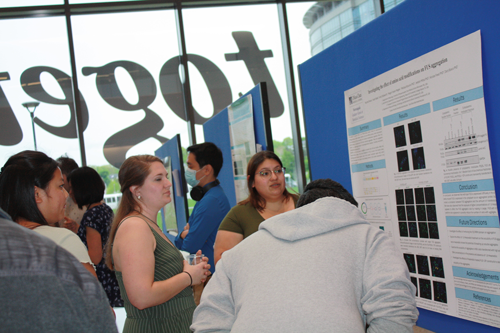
169,209
421,171
242,136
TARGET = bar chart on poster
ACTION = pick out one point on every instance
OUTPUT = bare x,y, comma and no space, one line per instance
421,171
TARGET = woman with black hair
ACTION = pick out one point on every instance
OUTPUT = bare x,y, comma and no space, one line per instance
32,193
87,189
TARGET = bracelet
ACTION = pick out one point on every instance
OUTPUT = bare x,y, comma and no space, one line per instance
190,277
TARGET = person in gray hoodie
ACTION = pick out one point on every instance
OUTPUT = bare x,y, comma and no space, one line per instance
319,268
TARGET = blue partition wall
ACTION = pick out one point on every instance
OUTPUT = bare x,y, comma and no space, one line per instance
216,130
172,149
406,32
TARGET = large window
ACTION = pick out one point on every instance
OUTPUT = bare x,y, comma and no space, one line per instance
244,43
389,4
127,67
35,67
128,73
26,3
329,22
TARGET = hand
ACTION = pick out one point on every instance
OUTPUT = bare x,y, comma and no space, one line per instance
185,232
70,224
198,272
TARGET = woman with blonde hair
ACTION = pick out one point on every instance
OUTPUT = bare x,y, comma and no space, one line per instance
155,280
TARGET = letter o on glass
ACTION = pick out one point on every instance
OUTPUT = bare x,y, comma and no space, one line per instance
217,84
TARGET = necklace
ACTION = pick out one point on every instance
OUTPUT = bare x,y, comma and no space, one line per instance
156,225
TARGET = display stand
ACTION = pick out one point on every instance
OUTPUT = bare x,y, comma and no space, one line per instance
216,130
404,33
172,150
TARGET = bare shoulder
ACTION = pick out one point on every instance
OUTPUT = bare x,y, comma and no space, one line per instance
133,241
133,227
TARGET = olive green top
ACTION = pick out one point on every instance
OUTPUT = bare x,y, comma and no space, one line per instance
176,314
245,219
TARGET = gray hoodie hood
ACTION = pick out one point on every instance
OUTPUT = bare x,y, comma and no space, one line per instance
313,219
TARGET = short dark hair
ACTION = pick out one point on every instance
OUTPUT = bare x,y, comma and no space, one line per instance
66,164
87,186
207,153
321,188
18,178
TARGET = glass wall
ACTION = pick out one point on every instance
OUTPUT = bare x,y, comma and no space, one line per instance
121,59
127,69
389,4
26,3
35,67
329,22
246,50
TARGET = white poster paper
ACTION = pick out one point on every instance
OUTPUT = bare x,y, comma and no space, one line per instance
242,135
169,209
421,171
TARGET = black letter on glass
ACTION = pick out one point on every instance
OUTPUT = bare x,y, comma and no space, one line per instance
11,133
217,84
30,81
254,60
116,147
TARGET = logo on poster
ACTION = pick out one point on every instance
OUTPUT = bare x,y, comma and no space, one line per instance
355,98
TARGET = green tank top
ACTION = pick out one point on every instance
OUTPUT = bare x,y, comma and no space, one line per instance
176,314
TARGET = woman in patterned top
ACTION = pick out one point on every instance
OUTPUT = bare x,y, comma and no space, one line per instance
87,189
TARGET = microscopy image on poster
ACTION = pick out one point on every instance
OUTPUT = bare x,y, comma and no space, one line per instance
415,132
410,262
414,281
423,230
399,136
403,161
400,197
439,291
421,128
417,156
425,288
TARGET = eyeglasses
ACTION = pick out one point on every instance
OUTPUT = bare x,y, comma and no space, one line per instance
267,173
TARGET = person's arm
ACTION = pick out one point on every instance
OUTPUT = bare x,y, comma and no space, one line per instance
201,225
185,232
224,241
133,251
73,244
90,268
389,297
94,244
216,311
70,224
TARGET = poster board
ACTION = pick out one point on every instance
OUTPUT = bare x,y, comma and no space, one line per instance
422,26
216,130
171,153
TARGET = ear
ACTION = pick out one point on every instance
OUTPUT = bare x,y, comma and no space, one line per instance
208,170
133,189
38,195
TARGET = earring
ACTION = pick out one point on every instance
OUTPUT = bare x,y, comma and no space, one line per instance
139,197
